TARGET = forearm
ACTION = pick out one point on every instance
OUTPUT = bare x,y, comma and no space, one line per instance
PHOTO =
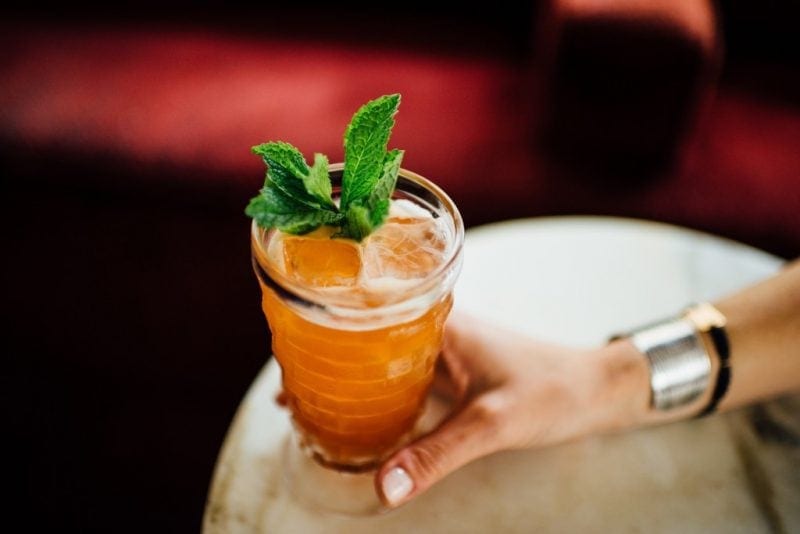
764,333
763,327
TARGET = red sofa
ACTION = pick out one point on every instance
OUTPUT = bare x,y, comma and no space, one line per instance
133,318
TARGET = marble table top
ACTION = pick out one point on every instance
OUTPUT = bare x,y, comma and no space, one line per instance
572,280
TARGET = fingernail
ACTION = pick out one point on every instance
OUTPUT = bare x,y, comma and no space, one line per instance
396,485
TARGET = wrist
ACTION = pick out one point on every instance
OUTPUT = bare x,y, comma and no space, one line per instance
623,386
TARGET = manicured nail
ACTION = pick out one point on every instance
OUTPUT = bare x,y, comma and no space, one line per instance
396,485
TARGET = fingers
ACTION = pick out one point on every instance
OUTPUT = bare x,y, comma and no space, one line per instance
466,436
451,378
441,376
446,385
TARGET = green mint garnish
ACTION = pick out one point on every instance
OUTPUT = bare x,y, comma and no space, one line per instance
296,198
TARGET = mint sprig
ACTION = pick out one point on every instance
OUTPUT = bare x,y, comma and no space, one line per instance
297,199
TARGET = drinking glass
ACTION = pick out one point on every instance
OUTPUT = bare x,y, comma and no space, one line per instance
357,363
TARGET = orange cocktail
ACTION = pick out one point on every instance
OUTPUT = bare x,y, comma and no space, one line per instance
357,327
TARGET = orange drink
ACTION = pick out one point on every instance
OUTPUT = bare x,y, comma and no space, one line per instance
357,327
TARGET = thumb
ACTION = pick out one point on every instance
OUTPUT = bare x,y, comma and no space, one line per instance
467,435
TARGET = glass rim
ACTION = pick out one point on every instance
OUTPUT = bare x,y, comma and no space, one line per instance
313,297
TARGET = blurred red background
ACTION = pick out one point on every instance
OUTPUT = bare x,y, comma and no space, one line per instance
132,317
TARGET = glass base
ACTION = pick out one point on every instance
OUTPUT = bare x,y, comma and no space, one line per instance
328,490
338,492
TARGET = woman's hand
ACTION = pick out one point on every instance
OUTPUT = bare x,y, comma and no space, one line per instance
513,392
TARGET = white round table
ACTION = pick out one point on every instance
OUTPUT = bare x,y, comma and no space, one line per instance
573,280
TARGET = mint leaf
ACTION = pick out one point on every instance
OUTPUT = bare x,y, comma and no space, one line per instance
357,223
273,208
283,155
318,183
365,215
287,169
365,147
380,198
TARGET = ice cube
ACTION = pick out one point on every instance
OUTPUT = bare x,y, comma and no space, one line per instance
406,212
319,261
409,245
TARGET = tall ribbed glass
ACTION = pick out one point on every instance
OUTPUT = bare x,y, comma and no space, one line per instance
357,353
